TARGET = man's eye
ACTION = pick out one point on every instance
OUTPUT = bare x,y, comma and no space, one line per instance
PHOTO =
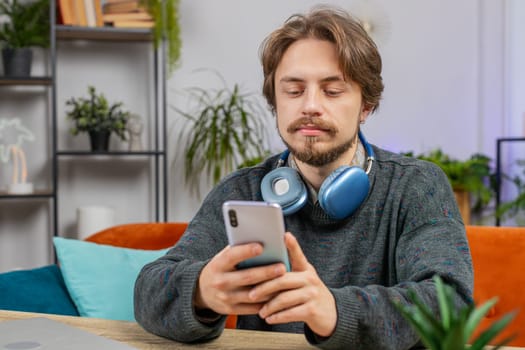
333,93
293,92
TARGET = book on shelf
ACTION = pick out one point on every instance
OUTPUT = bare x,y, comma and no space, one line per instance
121,6
130,17
66,12
91,16
127,16
98,13
79,9
133,24
80,13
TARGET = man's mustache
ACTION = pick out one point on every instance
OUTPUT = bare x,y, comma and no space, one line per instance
317,123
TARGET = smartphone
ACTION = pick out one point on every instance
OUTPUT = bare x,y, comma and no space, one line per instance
253,221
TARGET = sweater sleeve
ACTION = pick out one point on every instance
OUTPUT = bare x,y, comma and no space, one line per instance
429,239
164,289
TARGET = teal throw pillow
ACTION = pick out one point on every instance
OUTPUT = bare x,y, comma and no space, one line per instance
36,290
100,278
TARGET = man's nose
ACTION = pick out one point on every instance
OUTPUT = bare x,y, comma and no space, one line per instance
312,103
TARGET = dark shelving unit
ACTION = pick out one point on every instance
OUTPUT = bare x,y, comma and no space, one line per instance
157,155
45,81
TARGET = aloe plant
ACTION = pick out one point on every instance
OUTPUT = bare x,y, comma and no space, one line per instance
452,329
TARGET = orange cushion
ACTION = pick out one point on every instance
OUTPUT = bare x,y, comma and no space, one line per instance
149,236
498,256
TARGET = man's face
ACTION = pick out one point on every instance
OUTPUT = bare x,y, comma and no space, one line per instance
318,112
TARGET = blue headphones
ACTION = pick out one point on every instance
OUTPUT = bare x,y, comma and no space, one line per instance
341,193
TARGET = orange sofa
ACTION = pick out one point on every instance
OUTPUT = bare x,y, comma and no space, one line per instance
498,256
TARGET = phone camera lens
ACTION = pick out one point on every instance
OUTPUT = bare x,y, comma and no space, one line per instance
233,218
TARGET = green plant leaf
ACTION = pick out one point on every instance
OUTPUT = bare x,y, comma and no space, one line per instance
426,315
165,14
477,315
489,334
443,301
457,327
28,23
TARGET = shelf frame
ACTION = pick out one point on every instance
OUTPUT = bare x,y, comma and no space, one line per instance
64,32
158,155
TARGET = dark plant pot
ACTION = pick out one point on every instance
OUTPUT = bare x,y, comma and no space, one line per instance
99,140
17,62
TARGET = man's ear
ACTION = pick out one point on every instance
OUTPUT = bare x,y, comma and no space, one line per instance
365,112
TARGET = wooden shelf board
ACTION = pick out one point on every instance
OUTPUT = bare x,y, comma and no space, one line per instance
36,81
109,153
102,33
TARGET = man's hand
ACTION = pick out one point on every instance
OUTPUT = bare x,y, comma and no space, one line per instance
224,289
298,296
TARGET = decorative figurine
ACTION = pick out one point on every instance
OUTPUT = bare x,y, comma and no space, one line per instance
12,136
135,128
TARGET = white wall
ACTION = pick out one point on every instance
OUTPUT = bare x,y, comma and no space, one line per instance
444,69
452,71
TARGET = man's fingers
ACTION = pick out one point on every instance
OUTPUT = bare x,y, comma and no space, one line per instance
233,255
295,253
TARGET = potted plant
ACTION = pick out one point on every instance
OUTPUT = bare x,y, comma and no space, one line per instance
165,14
27,25
453,328
471,179
225,129
98,118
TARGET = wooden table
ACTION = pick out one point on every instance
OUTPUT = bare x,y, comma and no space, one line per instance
131,333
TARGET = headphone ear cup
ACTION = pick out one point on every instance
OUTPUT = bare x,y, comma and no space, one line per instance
285,187
343,191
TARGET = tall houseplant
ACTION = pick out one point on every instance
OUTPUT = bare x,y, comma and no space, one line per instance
165,14
225,129
27,26
98,118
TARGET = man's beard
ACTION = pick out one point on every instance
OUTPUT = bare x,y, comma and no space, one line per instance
309,154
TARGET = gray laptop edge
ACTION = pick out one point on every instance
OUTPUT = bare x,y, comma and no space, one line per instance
40,333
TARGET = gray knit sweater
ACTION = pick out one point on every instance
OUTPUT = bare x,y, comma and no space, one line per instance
407,230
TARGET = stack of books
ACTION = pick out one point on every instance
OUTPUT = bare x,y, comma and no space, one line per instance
98,13
126,14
